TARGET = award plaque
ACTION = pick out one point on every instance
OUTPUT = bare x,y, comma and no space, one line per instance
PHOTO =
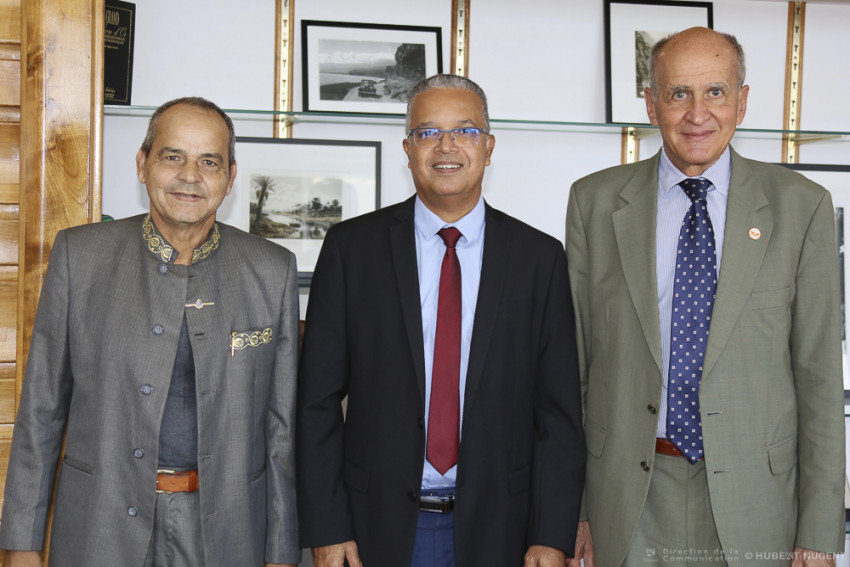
118,35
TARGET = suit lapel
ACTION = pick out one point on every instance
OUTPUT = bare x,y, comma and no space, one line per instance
497,252
634,230
746,208
403,245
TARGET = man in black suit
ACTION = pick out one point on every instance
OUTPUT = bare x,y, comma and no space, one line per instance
462,443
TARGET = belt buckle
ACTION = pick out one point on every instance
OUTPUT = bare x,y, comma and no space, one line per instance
437,504
164,471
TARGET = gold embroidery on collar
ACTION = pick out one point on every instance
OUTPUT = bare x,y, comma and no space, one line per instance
205,249
240,341
156,244
161,248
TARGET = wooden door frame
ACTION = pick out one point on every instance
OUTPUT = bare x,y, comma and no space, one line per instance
61,138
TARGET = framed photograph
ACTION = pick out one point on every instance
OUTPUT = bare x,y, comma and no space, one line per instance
836,178
291,191
366,68
632,28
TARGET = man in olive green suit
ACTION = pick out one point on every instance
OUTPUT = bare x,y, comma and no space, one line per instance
765,482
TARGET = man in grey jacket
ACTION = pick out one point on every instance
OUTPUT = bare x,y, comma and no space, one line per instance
165,346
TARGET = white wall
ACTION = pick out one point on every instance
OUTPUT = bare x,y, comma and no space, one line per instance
544,61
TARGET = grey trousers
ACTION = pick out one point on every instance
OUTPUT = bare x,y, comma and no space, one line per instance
676,526
176,539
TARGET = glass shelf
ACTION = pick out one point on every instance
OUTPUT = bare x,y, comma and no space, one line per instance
642,130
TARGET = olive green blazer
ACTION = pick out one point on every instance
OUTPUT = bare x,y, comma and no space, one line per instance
771,396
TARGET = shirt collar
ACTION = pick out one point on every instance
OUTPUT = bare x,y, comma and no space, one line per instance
428,224
159,246
719,172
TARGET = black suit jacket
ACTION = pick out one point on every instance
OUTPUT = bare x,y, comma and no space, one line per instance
520,467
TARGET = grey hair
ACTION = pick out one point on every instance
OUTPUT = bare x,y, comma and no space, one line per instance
659,47
446,81
197,102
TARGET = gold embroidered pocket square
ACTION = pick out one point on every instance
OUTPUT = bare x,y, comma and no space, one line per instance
242,340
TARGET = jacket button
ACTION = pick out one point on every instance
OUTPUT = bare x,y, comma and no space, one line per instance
132,511
652,409
644,466
158,329
147,389
421,422
163,268
413,497
138,453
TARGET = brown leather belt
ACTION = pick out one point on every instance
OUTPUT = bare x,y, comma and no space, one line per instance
666,447
169,482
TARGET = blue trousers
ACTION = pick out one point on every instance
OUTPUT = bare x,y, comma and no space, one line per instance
435,537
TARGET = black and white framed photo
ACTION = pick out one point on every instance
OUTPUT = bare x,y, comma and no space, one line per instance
836,178
366,68
632,28
292,191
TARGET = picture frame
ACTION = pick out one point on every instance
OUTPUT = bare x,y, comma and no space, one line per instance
632,27
291,191
365,68
836,179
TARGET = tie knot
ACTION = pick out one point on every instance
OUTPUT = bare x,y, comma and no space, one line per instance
450,236
695,188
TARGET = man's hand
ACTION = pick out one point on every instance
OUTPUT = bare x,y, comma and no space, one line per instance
542,556
808,558
336,555
22,559
584,547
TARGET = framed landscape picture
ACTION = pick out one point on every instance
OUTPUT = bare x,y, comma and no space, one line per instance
632,28
365,68
292,191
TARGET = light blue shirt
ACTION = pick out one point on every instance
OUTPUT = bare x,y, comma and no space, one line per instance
673,203
430,250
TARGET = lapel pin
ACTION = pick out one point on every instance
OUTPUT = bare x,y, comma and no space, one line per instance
199,304
755,233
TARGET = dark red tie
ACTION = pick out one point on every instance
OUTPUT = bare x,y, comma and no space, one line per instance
444,416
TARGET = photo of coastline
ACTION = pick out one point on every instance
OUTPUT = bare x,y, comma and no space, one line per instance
368,71
298,207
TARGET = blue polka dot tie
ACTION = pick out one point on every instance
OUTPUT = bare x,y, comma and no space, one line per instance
693,299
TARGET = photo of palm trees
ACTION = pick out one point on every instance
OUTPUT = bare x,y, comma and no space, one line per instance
300,207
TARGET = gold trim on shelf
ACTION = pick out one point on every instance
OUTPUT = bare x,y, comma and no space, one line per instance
809,138
284,37
460,37
793,81
630,152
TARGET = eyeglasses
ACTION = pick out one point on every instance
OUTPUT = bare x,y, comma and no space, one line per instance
464,137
